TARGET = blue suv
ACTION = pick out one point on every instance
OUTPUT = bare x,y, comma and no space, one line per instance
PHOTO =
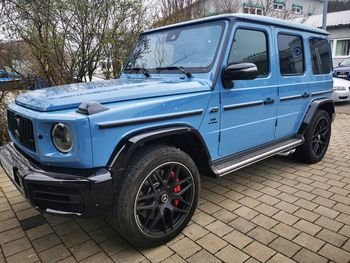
208,97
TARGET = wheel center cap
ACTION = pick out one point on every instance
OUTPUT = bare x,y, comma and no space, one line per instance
164,198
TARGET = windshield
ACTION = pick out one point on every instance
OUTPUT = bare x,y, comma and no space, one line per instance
345,63
193,48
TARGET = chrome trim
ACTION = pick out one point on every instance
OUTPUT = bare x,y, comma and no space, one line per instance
321,92
160,117
243,105
293,97
257,158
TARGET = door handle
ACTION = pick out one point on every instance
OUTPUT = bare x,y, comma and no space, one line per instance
305,95
269,101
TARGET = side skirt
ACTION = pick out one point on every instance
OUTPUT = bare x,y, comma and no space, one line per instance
235,162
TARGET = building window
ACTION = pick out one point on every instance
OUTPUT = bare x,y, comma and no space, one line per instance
342,48
320,56
255,53
255,9
297,9
291,54
279,5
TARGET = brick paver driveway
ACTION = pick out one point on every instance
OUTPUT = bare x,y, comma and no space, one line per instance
275,211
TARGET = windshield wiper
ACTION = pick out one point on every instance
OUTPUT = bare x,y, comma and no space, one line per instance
187,73
143,71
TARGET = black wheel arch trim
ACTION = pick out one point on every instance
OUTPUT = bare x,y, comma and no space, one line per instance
315,105
128,145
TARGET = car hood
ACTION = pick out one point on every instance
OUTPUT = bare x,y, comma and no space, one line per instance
72,95
341,68
341,82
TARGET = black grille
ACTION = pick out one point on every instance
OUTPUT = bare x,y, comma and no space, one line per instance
22,129
57,198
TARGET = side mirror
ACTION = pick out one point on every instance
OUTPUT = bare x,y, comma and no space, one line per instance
339,64
241,71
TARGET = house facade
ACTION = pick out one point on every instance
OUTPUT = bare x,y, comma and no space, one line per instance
338,26
296,8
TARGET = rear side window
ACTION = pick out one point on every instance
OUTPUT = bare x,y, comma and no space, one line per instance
250,46
291,54
320,56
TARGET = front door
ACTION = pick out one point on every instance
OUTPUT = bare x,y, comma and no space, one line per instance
248,112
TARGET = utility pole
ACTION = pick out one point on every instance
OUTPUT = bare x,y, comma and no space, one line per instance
325,11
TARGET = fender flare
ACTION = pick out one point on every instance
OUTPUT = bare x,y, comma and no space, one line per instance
126,147
315,105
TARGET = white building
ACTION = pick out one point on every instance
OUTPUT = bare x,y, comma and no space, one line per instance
338,26
296,7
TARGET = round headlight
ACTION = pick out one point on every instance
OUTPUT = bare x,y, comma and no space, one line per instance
62,137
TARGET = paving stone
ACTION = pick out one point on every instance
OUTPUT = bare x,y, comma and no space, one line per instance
285,246
100,258
329,223
262,235
246,212
279,258
157,254
238,239
39,231
307,227
209,207
242,225
231,254
46,242
15,246
266,209
104,233
334,253
128,255
203,256
346,246
194,231
219,228
75,238
309,242
24,214
54,254
306,256
9,224
114,245
26,256
307,215
203,219
285,231
322,210
10,235
264,221
331,237
175,258
286,218
211,243
259,251
185,247
85,250
224,215
66,228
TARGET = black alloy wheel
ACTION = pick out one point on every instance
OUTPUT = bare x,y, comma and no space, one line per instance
320,137
164,199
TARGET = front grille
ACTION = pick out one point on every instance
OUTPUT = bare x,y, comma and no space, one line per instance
22,129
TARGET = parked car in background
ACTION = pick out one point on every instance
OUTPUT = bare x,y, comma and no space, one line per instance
204,97
341,90
343,69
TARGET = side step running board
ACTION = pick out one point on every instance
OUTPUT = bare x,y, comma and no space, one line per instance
244,160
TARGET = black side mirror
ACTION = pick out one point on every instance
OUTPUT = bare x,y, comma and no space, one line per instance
339,64
241,71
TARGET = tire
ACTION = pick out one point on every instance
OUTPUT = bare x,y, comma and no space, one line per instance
145,206
317,137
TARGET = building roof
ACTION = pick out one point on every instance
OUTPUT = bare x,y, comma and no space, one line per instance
335,19
253,18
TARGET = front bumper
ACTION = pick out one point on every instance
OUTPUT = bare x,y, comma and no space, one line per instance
86,192
341,95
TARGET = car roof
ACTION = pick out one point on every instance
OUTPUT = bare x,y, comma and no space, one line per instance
250,18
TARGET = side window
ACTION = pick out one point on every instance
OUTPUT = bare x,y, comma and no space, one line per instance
320,56
250,46
291,54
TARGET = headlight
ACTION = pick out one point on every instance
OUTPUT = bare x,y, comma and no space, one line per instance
62,137
339,88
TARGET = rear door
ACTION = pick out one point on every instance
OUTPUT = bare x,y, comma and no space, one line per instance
248,112
293,81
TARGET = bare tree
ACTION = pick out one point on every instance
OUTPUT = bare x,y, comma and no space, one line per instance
226,6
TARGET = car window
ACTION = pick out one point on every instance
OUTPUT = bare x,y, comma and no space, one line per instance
320,56
245,50
291,54
345,63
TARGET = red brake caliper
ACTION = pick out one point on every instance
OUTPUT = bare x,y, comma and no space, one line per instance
176,188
